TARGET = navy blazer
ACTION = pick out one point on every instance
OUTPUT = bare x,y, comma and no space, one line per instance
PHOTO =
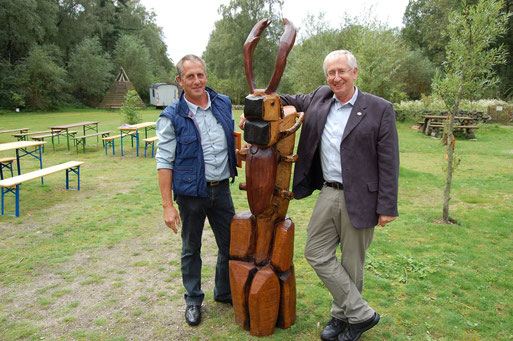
369,152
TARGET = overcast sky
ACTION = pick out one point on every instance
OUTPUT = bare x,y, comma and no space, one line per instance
187,23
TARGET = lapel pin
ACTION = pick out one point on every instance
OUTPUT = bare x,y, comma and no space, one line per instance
359,113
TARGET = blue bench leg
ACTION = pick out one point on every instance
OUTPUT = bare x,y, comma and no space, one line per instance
152,148
75,170
16,193
7,165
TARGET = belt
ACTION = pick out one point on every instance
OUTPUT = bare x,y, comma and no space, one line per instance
215,183
335,185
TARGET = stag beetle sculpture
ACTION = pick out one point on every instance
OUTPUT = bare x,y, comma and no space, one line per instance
262,240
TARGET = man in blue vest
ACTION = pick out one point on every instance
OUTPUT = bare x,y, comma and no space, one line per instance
195,159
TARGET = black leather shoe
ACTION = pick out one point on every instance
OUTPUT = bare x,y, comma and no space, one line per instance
333,329
224,300
355,331
193,315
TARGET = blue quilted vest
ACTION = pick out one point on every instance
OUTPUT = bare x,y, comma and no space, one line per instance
189,165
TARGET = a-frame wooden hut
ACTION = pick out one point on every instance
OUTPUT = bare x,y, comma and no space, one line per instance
117,91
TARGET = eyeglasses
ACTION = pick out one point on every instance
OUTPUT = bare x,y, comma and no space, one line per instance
332,74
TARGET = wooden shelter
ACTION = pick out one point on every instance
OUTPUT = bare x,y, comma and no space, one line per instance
116,94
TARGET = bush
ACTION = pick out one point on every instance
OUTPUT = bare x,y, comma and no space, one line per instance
130,106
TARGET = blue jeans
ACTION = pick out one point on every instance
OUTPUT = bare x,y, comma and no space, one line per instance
218,207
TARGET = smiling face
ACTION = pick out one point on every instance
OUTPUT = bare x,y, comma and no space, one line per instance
194,80
341,77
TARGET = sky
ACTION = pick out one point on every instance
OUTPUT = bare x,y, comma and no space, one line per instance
187,24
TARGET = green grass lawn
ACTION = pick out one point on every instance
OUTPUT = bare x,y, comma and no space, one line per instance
99,264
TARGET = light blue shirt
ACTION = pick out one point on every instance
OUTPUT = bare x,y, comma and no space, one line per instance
213,142
331,138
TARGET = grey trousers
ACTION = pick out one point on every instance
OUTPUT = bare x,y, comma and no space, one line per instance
329,227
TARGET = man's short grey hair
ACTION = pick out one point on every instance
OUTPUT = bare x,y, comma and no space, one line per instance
192,58
351,59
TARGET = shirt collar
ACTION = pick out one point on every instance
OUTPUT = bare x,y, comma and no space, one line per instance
350,102
193,108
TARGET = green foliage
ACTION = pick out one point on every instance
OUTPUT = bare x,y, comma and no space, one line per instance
134,57
386,67
426,20
42,78
85,35
90,71
224,51
470,54
130,107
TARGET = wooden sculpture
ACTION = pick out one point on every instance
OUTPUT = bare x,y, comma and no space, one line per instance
262,240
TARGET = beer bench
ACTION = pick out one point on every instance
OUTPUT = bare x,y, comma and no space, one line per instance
147,142
12,185
109,141
6,162
82,139
52,135
23,136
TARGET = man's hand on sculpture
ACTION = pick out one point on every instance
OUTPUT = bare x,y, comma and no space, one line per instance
172,218
385,219
242,121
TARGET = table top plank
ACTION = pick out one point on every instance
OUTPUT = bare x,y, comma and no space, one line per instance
19,145
71,125
14,130
133,127
434,117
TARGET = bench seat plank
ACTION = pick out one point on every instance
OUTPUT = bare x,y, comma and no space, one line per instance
148,141
91,135
16,180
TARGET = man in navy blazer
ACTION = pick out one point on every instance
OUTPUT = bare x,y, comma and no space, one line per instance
349,150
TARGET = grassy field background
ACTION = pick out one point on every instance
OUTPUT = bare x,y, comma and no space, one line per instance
99,264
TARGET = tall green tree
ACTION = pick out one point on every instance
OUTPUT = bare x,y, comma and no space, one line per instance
382,57
304,67
135,58
42,78
66,24
424,21
224,51
21,28
471,56
90,71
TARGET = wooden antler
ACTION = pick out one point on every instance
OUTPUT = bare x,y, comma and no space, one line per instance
249,49
286,42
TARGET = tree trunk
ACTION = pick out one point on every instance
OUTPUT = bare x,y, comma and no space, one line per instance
450,158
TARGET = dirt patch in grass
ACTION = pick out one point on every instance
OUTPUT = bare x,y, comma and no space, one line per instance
131,290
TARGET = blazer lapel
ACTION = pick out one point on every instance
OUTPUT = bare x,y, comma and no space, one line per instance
357,114
323,111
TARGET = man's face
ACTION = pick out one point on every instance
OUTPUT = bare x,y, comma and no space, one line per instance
341,78
193,80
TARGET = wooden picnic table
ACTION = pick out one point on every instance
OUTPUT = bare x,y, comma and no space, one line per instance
21,151
435,123
129,129
86,125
